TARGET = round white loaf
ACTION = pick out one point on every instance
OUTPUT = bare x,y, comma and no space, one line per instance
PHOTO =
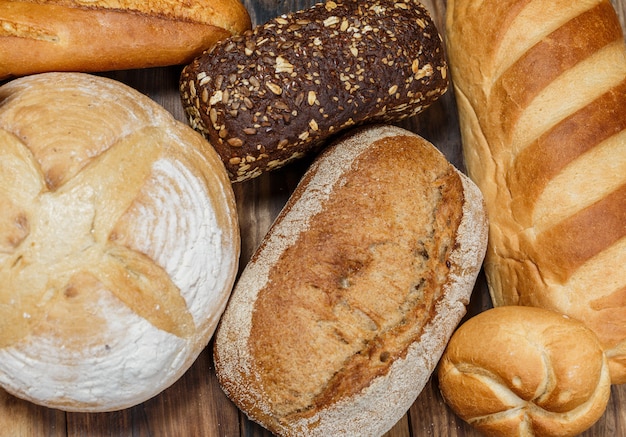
119,243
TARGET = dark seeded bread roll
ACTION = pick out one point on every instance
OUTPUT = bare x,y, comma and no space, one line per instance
343,312
273,94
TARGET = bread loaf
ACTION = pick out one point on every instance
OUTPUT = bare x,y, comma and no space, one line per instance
541,91
340,317
99,35
119,243
272,95
525,371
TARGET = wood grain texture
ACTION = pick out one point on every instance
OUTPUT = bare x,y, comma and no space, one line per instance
195,406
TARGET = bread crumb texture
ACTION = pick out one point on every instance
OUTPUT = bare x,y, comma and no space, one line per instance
273,94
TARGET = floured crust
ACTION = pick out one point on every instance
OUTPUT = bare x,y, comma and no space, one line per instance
118,248
340,317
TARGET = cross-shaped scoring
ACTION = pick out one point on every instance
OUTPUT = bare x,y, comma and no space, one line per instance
114,215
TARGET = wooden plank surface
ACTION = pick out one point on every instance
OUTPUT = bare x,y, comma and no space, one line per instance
195,405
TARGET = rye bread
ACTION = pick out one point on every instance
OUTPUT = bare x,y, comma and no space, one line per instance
277,93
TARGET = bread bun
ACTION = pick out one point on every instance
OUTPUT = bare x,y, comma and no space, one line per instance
277,93
525,371
119,243
99,35
343,312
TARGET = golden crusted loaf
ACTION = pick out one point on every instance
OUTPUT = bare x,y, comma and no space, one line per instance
343,312
98,35
525,371
541,90
119,243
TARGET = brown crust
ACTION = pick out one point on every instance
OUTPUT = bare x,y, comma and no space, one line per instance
38,36
541,89
227,14
525,371
272,95
363,277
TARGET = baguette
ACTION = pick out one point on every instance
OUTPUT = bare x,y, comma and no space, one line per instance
343,312
541,91
80,35
268,97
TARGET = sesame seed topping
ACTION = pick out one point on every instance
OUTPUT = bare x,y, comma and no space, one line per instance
235,142
283,66
216,97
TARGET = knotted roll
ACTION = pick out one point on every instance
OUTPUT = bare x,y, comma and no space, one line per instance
525,371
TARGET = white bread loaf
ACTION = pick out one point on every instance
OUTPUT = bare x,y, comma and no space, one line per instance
119,243
342,313
100,35
525,371
541,91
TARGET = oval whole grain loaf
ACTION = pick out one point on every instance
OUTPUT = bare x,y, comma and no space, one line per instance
343,312
271,95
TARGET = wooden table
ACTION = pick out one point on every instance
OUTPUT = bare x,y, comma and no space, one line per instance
195,405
